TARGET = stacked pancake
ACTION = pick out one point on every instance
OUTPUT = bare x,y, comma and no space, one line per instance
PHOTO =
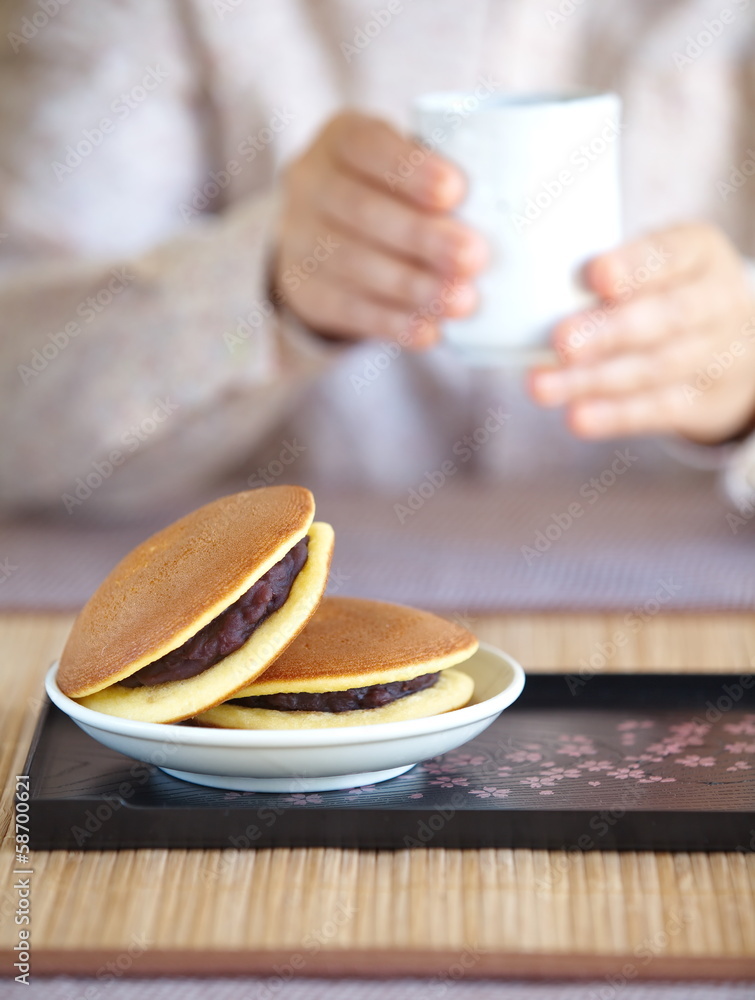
220,618
356,663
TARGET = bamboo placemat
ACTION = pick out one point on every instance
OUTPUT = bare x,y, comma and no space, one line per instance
433,912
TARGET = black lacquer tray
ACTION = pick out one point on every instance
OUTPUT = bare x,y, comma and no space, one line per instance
629,762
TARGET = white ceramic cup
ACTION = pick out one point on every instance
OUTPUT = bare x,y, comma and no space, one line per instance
543,188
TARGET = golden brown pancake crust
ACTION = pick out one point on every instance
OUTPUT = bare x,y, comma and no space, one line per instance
452,690
175,582
351,642
173,701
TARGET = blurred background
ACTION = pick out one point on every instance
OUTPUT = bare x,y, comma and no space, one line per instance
209,283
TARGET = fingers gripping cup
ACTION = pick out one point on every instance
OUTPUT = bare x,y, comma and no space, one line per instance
543,188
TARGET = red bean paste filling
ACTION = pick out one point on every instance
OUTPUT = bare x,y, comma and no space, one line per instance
231,629
339,701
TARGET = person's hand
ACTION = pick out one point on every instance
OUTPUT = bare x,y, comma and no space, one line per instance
671,348
366,246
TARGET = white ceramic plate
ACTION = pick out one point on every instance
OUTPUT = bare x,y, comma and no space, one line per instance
305,760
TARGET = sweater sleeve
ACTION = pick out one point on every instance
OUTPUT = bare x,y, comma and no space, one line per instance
140,356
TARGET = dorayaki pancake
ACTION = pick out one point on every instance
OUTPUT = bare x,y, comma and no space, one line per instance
179,580
356,644
351,642
453,689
